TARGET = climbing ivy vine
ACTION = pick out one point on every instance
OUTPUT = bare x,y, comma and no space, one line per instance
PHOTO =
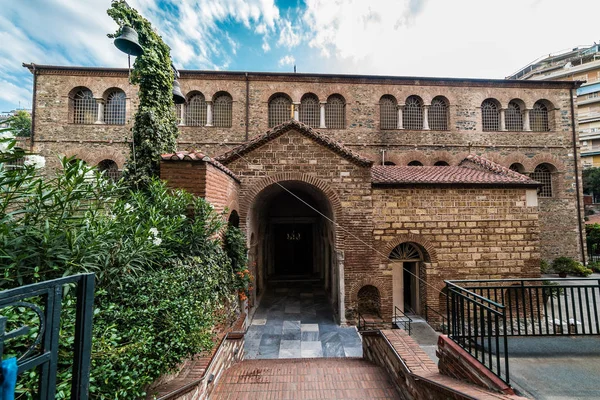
155,127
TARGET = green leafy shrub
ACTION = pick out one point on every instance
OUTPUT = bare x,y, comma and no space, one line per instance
594,266
564,265
545,268
235,246
581,270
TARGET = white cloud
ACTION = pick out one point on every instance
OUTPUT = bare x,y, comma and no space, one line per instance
287,36
265,45
287,60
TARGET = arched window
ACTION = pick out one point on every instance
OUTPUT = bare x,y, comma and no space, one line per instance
406,252
222,110
110,169
389,163
514,117
415,163
438,114
490,115
335,112
538,117
412,115
280,110
517,167
84,109
388,114
441,164
114,110
309,110
195,110
543,175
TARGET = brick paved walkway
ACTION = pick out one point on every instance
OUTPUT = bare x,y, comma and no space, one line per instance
318,378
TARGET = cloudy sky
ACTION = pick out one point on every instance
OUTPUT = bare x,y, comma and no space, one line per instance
448,38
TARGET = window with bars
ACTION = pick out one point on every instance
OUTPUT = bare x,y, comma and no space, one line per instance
114,110
415,163
84,107
195,110
280,109
517,167
309,110
543,175
222,110
110,169
513,117
538,118
388,113
438,114
490,115
412,115
335,112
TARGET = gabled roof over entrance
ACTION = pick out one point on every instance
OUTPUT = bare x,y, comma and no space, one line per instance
305,130
473,170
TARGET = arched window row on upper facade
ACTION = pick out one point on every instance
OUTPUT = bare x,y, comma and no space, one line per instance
85,109
515,117
329,114
414,114
197,111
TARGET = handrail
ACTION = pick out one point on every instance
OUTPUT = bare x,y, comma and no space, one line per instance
407,320
439,314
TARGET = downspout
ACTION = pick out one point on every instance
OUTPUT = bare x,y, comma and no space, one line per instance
577,186
33,106
247,105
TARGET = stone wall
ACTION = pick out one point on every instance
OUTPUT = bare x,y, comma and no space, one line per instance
54,135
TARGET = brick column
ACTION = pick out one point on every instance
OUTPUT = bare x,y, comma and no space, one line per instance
526,123
296,111
502,120
209,116
100,111
322,115
426,117
400,108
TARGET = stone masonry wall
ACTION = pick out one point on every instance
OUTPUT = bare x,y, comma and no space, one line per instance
54,135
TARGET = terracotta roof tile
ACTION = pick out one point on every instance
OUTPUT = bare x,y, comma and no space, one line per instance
197,156
305,130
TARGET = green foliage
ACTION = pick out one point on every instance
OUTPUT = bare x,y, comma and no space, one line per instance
20,124
155,127
545,267
235,246
581,270
591,180
551,289
594,266
164,279
592,232
564,265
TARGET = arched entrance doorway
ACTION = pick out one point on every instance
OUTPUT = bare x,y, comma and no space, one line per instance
408,264
292,221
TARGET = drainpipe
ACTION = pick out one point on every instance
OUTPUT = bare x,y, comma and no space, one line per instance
33,106
382,156
247,105
575,159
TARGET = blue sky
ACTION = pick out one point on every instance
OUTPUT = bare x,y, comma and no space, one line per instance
458,38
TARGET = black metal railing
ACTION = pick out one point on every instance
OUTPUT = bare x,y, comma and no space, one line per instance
441,326
401,320
476,324
44,300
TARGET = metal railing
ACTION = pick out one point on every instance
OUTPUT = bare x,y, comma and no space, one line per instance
399,321
400,318
443,327
44,301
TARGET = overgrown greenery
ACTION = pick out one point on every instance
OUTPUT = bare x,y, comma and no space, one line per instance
235,245
567,265
591,181
20,124
155,127
592,234
164,277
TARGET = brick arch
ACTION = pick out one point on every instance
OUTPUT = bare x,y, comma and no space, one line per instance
413,238
403,159
545,158
245,205
379,283
443,156
94,156
513,158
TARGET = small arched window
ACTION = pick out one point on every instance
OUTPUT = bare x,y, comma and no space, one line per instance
195,110
280,110
438,114
388,113
412,115
114,111
335,112
222,110
517,167
415,163
84,109
538,117
543,175
514,117
389,163
309,110
490,115
110,169
441,164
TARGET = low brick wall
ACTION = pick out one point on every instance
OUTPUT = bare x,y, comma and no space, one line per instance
415,375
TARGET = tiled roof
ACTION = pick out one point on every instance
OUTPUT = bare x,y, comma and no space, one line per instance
491,166
197,156
488,175
593,219
305,130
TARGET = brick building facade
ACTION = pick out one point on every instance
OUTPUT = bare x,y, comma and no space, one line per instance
469,216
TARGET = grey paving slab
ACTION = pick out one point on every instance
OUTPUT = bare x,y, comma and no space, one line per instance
311,349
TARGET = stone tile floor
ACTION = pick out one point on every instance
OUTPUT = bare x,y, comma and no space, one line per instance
295,320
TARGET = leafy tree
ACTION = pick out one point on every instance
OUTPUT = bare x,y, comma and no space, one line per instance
155,127
20,123
591,181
